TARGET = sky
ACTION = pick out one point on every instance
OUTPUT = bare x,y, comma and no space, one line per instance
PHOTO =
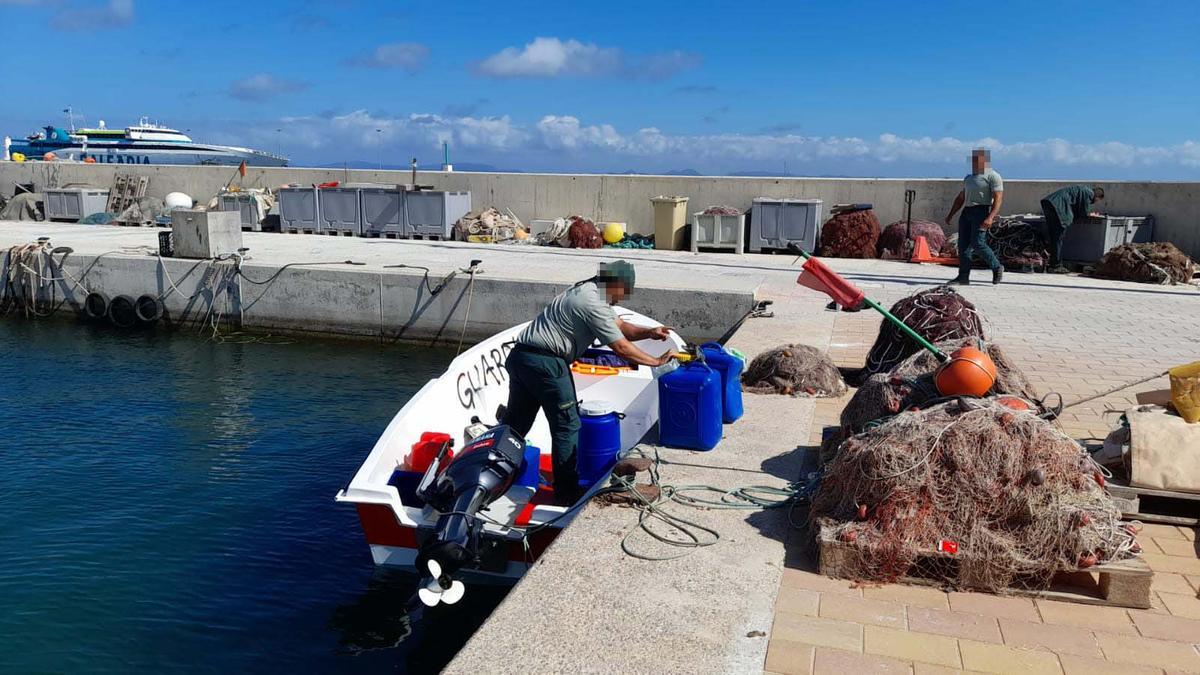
1099,90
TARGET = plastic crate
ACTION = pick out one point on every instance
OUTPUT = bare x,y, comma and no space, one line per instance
775,223
298,209
246,205
73,204
1088,241
718,231
432,213
339,211
382,211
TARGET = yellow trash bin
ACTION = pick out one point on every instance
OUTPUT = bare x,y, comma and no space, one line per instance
670,221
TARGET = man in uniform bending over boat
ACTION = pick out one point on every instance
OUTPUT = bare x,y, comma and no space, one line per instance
539,366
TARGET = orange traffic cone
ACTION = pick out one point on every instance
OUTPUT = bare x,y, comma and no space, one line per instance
921,253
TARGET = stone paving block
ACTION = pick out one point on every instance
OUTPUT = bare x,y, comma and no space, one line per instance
1187,606
1110,619
1160,562
838,662
789,657
1188,533
1167,582
862,610
955,624
1146,651
797,601
817,631
1083,665
916,596
1180,547
931,669
1167,627
990,658
1159,531
906,646
1058,639
995,605
795,578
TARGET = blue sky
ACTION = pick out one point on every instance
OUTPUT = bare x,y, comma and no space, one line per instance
1057,89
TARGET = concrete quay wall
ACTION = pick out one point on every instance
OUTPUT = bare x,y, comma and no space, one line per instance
1175,205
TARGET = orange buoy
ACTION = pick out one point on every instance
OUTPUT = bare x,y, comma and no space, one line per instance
1014,402
49,157
969,372
89,160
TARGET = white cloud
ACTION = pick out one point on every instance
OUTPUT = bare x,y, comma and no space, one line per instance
566,143
552,57
112,14
408,56
262,87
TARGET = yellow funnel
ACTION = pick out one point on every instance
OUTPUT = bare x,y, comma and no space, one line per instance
1185,391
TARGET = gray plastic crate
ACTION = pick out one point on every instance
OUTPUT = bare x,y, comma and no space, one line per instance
433,213
246,205
340,213
1088,241
298,209
72,204
382,212
775,223
717,231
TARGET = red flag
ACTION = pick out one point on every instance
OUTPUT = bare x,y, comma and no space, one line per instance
820,278
242,168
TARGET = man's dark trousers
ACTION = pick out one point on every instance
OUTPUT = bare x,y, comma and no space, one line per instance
972,237
541,380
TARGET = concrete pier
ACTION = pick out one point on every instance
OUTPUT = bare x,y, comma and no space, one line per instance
344,286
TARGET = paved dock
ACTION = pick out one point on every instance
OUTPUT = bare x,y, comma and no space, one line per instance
753,602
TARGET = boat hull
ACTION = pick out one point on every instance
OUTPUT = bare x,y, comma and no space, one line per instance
153,153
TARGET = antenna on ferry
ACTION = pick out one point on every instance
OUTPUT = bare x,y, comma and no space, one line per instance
71,117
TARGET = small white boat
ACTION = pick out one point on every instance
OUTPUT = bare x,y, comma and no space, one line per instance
519,525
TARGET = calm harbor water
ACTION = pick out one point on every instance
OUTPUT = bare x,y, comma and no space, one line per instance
168,506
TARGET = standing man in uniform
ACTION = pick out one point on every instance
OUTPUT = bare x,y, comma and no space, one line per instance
1062,208
980,200
539,366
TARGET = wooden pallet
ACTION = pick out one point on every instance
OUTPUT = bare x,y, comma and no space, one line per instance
126,189
1156,506
1119,584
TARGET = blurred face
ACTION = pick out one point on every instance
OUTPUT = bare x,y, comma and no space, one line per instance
615,292
979,162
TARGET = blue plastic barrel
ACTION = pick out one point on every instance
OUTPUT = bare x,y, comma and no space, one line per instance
529,467
689,407
730,369
599,441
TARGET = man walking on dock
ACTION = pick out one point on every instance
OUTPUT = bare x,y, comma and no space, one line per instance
980,200
539,366
1062,208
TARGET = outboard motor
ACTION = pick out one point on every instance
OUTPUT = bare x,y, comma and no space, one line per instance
480,474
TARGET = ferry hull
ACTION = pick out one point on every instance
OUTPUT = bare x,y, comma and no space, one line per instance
202,155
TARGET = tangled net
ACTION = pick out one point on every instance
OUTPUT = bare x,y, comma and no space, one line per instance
896,244
936,314
910,384
1017,243
721,210
1157,263
1019,498
582,233
850,235
796,370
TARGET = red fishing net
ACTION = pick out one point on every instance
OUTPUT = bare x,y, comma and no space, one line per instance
1158,263
850,235
896,244
582,233
936,314
796,370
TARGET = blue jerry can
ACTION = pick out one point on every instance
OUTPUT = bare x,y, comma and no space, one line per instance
689,407
730,367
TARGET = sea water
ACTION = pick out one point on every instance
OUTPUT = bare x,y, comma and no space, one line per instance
167,505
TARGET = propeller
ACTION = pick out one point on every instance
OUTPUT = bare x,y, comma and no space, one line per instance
441,588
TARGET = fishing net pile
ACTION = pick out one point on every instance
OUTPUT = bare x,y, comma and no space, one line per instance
852,234
936,314
896,244
1008,498
950,248
795,370
1157,263
721,210
582,233
490,223
1017,243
